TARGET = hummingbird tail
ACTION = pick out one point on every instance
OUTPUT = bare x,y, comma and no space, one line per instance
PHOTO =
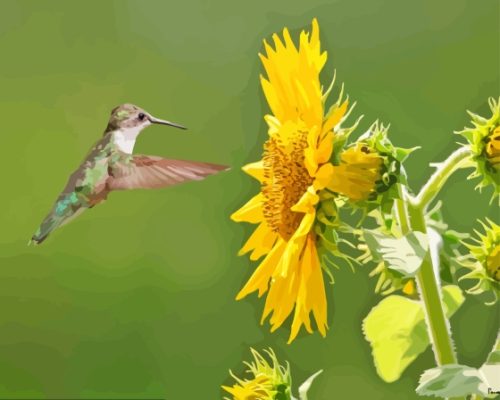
48,225
53,221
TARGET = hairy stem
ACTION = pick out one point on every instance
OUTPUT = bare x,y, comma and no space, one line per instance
411,215
444,170
430,293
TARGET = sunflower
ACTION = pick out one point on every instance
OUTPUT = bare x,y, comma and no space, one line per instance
484,140
358,172
294,168
268,381
367,171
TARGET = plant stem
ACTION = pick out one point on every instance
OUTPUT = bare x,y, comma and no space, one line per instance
430,293
456,160
431,297
411,214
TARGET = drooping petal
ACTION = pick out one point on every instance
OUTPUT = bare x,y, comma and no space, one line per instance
251,211
280,300
294,247
307,202
261,242
263,274
311,295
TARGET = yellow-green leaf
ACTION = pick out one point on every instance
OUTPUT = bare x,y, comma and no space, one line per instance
452,380
396,331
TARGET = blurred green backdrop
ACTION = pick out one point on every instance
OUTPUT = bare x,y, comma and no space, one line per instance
135,298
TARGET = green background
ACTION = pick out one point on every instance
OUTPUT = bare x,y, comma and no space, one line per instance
135,298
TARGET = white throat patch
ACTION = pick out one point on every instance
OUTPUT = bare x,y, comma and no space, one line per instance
124,139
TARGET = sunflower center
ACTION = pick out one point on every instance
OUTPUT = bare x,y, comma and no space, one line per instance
286,179
493,148
493,263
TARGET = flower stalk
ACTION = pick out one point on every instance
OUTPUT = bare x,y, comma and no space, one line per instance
455,161
411,214
429,289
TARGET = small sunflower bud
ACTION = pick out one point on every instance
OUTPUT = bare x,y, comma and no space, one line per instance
358,173
484,141
369,169
484,261
267,381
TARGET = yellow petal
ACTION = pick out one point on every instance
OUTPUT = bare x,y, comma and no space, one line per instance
409,288
271,96
273,123
260,278
261,242
251,211
311,293
294,247
307,202
310,153
323,176
317,292
255,170
336,116
352,181
325,148
280,300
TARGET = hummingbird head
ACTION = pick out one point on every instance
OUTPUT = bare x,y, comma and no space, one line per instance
130,117
127,121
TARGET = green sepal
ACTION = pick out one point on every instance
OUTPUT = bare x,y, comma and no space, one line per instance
304,388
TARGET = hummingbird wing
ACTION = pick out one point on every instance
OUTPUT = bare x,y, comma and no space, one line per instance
151,172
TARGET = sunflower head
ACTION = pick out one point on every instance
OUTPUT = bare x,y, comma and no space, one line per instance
367,170
265,381
484,140
293,173
484,261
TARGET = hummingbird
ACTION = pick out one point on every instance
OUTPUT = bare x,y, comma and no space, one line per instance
110,165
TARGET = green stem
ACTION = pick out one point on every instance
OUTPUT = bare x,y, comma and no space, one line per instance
402,212
455,161
412,217
411,214
431,297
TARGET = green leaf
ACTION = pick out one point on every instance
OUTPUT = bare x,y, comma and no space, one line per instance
494,358
304,388
452,380
490,371
404,254
397,333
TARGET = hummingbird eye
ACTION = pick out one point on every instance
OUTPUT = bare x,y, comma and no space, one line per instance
141,116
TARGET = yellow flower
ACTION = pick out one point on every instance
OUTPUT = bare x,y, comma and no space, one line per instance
357,173
367,171
258,388
294,168
267,382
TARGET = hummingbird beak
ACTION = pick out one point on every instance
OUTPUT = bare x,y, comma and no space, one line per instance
154,120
